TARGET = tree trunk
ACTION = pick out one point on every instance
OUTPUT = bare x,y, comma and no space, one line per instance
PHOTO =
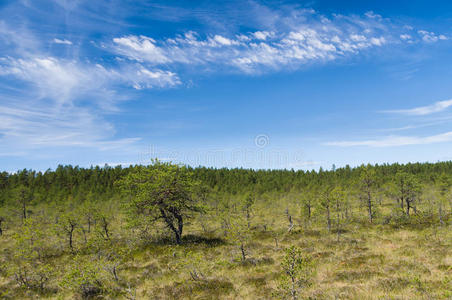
89,224
70,233
290,224
24,209
440,211
328,218
369,206
70,238
408,207
402,197
180,225
293,290
338,219
248,218
242,249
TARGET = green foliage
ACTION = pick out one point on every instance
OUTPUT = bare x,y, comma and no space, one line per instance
235,241
163,191
367,185
238,233
298,270
325,203
67,225
85,277
29,264
247,207
195,265
307,200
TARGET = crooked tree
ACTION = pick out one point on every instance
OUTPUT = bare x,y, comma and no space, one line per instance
162,191
367,184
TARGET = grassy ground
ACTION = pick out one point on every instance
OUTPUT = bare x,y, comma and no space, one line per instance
365,262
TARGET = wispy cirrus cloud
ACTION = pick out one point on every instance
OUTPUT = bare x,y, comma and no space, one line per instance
64,92
395,141
49,112
62,101
64,41
423,110
64,79
30,126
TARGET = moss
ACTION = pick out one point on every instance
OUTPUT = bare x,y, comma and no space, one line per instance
356,275
393,284
201,289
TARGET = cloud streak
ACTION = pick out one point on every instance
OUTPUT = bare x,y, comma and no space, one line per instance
423,110
64,41
395,141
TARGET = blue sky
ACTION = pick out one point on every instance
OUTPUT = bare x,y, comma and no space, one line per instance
254,84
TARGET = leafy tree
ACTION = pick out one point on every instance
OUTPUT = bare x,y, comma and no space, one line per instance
196,265
88,211
24,197
68,223
307,198
85,277
162,191
298,269
407,190
239,234
3,215
338,197
326,203
247,207
367,185
444,186
29,264
104,223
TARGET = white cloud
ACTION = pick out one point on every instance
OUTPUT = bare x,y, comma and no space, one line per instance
431,37
64,42
36,124
65,80
62,102
358,38
394,141
149,79
301,38
405,37
262,35
424,110
293,48
378,41
140,48
224,41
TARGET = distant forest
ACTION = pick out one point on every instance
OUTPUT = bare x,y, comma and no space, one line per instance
98,183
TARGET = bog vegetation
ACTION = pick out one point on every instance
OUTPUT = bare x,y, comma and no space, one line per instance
166,231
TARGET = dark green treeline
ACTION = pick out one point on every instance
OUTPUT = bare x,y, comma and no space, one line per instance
98,183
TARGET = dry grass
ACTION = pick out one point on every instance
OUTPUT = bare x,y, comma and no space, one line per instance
367,262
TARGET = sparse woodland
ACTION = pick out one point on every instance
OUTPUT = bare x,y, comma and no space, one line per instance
172,232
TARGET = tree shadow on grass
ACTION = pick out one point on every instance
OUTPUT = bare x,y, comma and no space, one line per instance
191,239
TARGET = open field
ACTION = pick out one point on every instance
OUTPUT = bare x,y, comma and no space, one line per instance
227,251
